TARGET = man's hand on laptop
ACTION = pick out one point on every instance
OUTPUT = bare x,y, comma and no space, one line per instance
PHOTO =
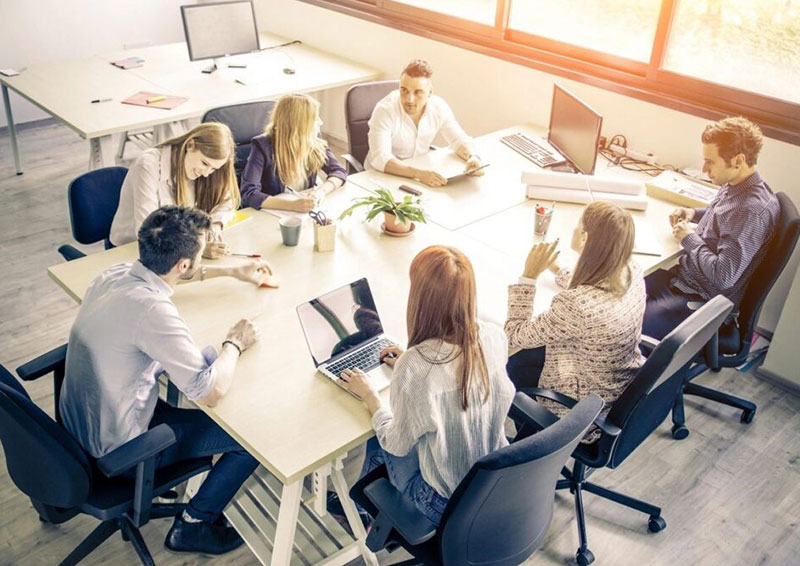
243,334
430,178
390,354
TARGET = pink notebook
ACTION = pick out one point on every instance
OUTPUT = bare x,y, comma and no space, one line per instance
169,102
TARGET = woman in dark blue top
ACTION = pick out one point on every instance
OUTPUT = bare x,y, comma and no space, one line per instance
281,170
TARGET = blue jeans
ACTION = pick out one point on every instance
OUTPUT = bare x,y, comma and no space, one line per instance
200,436
405,475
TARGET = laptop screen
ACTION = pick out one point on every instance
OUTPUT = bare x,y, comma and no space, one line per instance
574,130
340,320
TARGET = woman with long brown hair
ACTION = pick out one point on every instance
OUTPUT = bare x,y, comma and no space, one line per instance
193,169
450,393
587,342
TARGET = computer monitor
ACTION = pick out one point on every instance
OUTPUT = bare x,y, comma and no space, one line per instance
574,130
220,29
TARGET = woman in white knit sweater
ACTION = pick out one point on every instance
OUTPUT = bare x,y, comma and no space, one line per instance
450,393
587,342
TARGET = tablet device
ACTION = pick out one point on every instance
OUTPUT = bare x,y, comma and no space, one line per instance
459,176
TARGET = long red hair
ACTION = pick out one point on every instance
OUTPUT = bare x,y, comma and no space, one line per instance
442,305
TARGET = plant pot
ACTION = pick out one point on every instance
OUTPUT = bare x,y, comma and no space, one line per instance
392,225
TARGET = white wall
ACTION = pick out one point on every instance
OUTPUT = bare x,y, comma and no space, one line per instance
488,94
41,31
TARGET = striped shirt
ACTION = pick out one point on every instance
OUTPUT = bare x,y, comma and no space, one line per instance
722,253
425,410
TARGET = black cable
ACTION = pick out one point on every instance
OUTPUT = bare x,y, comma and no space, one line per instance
281,45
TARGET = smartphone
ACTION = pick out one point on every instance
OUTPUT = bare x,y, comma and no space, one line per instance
412,190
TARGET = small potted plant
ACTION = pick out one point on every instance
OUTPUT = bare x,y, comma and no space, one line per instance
398,215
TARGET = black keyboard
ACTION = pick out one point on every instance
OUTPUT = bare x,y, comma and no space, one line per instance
364,359
531,149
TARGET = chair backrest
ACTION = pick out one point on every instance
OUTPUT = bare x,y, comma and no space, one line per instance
500,512
649,398
246,121
359,103
93,199
42,459
778,252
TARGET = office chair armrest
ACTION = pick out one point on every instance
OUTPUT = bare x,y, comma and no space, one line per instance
524,409
138,450
694,305
648,342
354,163
399,512
608,428
44,364
554,396
69,252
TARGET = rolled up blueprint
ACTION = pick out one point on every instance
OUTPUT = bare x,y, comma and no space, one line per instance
604,184
634,202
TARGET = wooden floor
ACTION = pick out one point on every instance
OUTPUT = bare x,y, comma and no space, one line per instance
730,493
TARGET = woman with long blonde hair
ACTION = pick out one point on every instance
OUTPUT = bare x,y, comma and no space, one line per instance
449,394
588,341
193,169
282,168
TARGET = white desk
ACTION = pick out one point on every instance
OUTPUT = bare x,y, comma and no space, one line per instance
66,89
294,421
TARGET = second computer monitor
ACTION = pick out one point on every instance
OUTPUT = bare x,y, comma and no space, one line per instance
219,29
574,130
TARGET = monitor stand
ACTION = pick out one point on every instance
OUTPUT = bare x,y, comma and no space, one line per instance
566,167
214,66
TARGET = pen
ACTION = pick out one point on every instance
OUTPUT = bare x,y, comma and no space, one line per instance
96,100
155,99
654,254
246,255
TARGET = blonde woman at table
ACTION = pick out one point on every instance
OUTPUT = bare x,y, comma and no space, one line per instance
588,340
193,169
284,162
450,393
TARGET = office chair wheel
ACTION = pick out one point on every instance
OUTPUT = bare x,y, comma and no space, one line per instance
584,557
747,416
679,432
656,524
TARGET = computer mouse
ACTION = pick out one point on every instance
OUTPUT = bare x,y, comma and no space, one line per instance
288,71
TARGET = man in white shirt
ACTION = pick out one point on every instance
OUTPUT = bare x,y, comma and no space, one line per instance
406,121
126,333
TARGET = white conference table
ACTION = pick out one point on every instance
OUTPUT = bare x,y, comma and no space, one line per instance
65,89
294,421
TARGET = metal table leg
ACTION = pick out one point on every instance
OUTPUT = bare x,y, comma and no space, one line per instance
12,130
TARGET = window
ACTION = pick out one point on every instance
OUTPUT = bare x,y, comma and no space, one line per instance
481,11
708,57
753,46
624,28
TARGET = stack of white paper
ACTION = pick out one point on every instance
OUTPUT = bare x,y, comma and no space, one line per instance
583,189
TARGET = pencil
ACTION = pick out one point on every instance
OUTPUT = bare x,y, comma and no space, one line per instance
153,99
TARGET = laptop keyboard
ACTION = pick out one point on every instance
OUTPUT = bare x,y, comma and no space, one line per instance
529,148
364,359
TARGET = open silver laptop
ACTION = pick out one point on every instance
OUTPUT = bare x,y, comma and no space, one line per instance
343,331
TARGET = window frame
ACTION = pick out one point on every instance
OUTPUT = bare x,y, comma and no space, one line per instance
647,81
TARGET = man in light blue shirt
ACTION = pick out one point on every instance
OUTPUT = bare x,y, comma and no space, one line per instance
126,333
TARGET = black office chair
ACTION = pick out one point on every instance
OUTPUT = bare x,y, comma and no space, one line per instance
93,200
731,346
358,106
642,407
46,464
246,121
500,512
